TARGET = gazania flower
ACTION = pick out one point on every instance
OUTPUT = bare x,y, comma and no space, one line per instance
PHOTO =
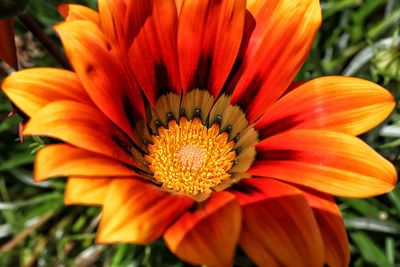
8,52
181,121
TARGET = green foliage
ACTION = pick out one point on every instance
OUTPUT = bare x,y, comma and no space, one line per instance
357,38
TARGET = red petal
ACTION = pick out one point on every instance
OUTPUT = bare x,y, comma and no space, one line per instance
138,212
208,235
332,228
209,37
331,162
103,72
282,33
8,52
278,219
82,126
341,104
153,54
122,20
65,160
32,89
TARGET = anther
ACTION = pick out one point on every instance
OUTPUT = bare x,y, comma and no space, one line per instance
239,150
236,138
235,162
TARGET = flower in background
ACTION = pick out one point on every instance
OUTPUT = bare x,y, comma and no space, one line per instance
9,9
181,120
8,51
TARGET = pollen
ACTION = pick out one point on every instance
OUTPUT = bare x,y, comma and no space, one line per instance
190,158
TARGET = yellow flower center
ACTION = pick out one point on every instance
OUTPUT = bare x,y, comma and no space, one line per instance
189,157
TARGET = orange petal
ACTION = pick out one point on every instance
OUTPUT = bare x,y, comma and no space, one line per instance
331,226
8,52
82,126
208,235
330,162
78,12
86,191
112,14
32,89
65,160
122,20
278,219
153,53
256,251
179,4
103,72
138,212
341,104
209,37
279,44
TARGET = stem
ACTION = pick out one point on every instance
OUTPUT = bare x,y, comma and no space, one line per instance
44,39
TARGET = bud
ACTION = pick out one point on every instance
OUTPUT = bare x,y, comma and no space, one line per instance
11,8
387,62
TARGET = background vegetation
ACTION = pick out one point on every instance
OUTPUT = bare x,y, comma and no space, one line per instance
358,38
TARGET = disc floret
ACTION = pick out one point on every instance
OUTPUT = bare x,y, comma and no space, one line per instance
190,158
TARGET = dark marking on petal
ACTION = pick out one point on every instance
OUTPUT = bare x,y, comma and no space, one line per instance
162,78
197,113
234,75
182,113
218,119
122,144
89,68
279,126
170,116
157,123
229,129
251,92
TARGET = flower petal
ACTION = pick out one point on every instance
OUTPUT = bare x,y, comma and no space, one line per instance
331,226
209,234
8,52
209,37
341,104
330,162
78,12
153,53
122,20
82,126
32,89
279,44
86,191
102,71
138,212
66,160
279,221
255,250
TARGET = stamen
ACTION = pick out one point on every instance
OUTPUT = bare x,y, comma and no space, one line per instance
189,158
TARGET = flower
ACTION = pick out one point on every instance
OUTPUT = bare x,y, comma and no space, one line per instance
181,120
8,52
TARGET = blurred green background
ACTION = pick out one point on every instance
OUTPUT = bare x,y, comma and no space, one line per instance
358,38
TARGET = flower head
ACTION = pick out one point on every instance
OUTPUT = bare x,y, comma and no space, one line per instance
181,120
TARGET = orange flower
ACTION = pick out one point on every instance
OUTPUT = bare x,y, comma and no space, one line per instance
177,120
8,52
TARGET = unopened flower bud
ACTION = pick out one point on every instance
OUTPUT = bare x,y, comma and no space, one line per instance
387,62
